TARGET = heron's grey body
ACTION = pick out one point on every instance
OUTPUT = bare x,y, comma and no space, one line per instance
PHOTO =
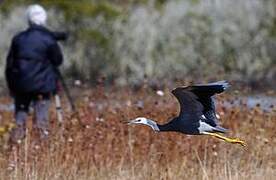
197,110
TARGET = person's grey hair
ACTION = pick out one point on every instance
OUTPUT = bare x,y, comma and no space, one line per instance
36,14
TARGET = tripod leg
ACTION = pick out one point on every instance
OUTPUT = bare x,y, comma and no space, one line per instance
58,108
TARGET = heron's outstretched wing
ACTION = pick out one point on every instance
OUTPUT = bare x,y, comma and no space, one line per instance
200,96
210,89
205,93
190,108
209,110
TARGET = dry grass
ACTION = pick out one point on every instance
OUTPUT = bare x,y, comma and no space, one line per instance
103,147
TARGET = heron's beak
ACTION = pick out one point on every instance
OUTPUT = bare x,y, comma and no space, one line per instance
127,121
131,122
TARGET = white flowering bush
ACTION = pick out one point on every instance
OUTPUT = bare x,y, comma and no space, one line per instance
204,38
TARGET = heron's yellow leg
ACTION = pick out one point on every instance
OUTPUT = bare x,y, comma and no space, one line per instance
226,139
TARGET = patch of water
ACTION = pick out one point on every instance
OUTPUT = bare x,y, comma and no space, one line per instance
266,103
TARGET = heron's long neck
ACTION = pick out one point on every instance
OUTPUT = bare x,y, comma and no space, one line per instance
153,125
161,127
166,127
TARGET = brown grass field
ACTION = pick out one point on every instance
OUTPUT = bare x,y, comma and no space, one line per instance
100,146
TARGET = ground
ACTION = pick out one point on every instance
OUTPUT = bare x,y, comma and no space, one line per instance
97,144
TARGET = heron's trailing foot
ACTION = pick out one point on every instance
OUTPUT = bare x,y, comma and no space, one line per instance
226,139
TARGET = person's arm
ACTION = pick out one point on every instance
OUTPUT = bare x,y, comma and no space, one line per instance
60,36
9,64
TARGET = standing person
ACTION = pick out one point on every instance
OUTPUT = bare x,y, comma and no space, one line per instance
30,74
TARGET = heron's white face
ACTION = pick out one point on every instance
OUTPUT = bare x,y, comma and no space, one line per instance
139,120
145,121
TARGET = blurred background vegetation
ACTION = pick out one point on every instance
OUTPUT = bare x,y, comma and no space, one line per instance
126,41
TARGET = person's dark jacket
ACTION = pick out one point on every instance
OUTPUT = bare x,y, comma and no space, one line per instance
31,60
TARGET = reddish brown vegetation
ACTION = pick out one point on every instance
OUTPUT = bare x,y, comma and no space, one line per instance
101,146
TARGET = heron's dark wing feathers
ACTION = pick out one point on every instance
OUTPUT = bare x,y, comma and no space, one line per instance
210,89
198,100
205,93
190,108
209,110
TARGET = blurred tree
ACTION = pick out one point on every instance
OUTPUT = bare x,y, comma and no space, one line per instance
131,39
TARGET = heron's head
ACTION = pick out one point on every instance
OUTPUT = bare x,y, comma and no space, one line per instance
145,121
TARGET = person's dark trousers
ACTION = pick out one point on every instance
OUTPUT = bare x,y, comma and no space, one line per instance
41,104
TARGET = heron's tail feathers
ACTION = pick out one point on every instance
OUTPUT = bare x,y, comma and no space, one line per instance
220,129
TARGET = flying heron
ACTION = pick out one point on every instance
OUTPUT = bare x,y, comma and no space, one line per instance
197,112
